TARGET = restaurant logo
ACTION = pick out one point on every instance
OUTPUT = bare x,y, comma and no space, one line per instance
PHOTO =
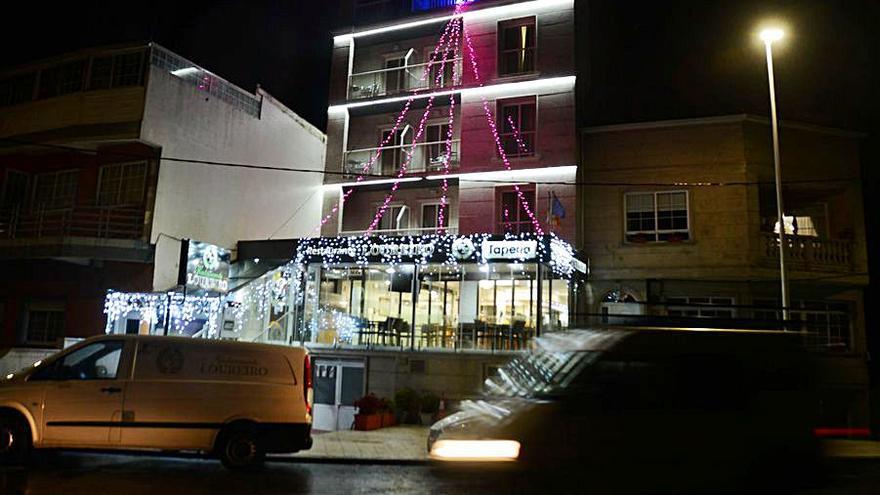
204,267
463,248
169,361
509,250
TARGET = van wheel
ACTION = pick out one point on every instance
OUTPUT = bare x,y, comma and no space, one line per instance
238,448
15,440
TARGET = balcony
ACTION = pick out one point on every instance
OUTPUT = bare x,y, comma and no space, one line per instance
398,80
412,231
101,222
426,157
808,252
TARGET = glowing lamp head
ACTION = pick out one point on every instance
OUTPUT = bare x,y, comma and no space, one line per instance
771,35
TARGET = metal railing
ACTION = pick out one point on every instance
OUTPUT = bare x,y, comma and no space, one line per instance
413,231
396,80
427,157
807,251
205,80
103,222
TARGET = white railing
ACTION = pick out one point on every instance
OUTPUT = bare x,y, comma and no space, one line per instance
427,157
805,251
414,231
396,80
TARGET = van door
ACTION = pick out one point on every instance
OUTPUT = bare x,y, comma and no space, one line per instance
83,395
337,384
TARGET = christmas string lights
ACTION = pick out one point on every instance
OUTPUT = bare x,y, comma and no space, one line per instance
494,128
410,152
444,188
441,47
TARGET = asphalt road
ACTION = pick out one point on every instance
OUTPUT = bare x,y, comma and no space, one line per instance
96,474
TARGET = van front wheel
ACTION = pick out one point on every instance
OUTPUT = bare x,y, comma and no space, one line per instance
15,440
239,448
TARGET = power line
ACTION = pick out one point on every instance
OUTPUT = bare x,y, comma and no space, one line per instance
250,166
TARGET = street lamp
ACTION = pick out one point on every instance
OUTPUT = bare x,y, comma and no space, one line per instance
769,36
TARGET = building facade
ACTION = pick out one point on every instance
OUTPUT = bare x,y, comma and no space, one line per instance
679,222
105,163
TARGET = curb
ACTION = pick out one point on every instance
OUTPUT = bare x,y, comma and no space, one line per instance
348,460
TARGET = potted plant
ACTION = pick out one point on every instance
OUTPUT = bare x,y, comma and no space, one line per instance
429,405
386,409
367,417
406,403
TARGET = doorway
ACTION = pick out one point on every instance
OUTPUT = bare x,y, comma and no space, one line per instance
337,385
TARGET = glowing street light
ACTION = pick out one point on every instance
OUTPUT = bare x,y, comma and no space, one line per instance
769,36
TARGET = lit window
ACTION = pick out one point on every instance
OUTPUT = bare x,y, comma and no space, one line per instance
700,307
798,225
516,46
657,216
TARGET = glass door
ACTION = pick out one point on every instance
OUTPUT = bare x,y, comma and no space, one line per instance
337,385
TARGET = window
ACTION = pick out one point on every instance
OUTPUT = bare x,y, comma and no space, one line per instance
435,154
45,326
798,225
396,217
512,214
14,189
122,184
700,307
55,189
827,323
62,79
431,216
516,46
99,361
17,89
657,216
128,69
518,125
394,75
101,74
393,155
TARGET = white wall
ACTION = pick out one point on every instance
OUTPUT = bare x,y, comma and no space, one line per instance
218,204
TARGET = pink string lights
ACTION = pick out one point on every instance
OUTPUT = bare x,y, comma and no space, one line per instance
442,45
410,152
494,128
444,188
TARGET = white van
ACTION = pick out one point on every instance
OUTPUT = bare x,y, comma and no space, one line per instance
234,400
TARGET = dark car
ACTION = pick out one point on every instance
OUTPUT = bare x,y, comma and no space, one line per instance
652,408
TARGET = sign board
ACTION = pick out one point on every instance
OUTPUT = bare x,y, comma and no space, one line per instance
509,250
203,267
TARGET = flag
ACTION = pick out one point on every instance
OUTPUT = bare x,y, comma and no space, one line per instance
557,211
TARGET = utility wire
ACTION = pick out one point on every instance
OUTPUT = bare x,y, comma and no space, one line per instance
249,166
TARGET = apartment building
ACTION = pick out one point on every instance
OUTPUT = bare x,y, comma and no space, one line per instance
97,190
686,234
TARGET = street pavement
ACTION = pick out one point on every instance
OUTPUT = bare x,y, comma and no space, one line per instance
397,443
98,474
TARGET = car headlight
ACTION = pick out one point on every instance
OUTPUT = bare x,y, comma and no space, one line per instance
475,450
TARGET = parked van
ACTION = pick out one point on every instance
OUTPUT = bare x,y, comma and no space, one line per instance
235,400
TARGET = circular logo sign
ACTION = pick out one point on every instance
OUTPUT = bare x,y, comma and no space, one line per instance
211,258
169,361
463,248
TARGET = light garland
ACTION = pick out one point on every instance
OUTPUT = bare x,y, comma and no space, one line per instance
441,45
150,307
444,188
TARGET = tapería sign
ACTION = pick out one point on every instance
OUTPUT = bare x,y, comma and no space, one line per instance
509,250
203,267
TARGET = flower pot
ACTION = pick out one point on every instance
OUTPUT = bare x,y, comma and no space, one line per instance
367,422
388,419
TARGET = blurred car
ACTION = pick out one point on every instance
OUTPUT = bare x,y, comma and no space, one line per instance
645,406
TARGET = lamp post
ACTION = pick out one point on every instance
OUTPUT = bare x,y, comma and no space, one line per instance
768,36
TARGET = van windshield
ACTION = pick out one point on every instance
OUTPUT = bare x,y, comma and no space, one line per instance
539,374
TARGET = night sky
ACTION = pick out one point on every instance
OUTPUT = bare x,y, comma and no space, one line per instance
642,60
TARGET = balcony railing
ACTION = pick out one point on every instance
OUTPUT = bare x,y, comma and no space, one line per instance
397,80
427,157
807,252
103,222
414,231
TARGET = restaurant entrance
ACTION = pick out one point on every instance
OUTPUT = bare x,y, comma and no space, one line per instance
337,384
